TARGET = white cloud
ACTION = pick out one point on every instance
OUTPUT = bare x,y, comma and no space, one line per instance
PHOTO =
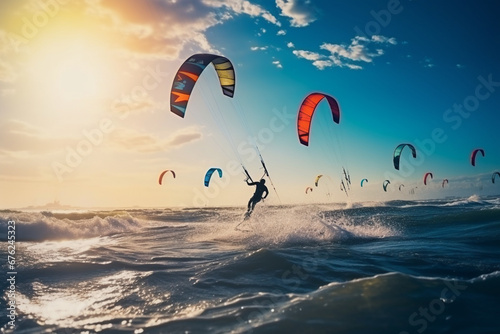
261,48
155,28
133,140
183,137
350,56
281,32
163,29
243,7
358,50
309,55
321,64
299,11
428,63
290,45
126,104
277,63
19,138
383,39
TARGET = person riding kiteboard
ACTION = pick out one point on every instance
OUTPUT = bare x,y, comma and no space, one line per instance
258,195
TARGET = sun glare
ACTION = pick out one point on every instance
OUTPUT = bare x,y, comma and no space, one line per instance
70,71
75,79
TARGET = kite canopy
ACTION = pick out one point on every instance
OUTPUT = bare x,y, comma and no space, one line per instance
160,179
190,71
209,173
493,176
397,153
317,179
473,155
306,112
385,184
401,185
363,181
309,189
426,176
444,181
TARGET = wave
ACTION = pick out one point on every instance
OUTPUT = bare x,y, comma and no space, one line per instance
475,217
473,199
269,226
41,226
385,303
300,225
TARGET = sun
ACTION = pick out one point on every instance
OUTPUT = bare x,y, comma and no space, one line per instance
70,71
67,80
76,79
73,69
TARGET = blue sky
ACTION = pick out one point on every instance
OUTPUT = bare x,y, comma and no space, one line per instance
84,93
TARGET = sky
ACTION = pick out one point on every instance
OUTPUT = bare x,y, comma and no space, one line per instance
85,100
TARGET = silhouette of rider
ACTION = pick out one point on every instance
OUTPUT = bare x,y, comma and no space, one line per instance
260,189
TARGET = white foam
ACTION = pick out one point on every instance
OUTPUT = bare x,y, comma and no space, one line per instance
36,226
290,225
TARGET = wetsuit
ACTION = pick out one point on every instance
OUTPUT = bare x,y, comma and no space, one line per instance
260,189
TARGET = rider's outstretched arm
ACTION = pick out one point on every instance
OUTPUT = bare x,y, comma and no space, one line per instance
251,183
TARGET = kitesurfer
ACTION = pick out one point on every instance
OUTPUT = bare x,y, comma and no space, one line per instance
260,189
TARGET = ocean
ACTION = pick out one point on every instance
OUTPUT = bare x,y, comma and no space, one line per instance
429,266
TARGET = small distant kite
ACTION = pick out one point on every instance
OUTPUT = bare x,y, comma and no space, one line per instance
363,181
385,184
209,173
317,179
493,176
160,179
397,153
426,176
474,154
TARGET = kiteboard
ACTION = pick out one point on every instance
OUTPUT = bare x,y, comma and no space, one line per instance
246,216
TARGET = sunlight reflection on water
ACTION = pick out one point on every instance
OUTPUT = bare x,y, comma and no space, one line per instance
84,302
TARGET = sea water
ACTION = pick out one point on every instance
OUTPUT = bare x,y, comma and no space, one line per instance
394,267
